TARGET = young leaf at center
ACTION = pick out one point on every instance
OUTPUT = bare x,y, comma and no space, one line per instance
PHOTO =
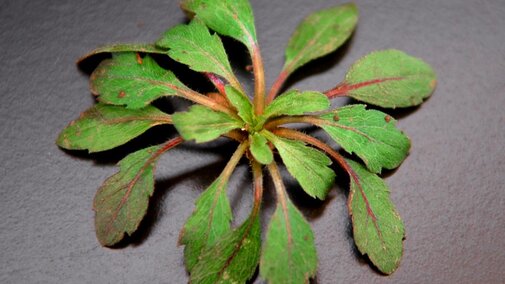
203,124
307,165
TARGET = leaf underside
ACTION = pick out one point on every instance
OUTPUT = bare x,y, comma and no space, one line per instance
370,134
124,47
377,228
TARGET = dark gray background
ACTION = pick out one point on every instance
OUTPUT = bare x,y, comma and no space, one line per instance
449,191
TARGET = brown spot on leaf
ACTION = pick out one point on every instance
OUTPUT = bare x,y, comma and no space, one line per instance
336,117
249,68
433,83
121,94
387,118
139,59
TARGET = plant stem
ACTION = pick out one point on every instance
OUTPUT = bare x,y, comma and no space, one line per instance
235,158
258,186
217,82
276,87
259,80
204,100
279,185
293,119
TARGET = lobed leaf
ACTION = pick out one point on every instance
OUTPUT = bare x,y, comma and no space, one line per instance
127,80
233,18
124,47
319,34
121,202
377,227
209,222
295,102
194,46
103,127
203,124
389,78
307,165
289,254
260,149
233,258
371,134
242,103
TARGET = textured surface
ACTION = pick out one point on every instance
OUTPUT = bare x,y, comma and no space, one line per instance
450,191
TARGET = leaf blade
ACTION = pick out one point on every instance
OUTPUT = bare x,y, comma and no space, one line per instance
210,220
390,79
233,258
123,80
260,149
319,34
242,103
294,102
194,46
289,253
203,124
233,18
121,202
103,127
124,47
377,228
370,134
306,164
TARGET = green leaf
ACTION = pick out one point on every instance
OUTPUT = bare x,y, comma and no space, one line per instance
233,258
203,124
194,46
124,80
377,227
233,18
307,165
295,102
124,47
103,127
209,222
289,254
371,134
121,202
389,78
319,34
242,103
260,149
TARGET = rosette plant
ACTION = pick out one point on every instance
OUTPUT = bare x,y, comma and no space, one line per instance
129,82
